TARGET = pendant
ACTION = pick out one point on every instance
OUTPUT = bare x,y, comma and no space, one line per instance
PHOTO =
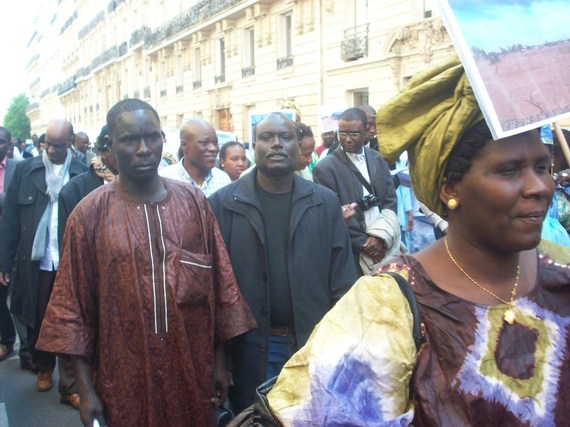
509,316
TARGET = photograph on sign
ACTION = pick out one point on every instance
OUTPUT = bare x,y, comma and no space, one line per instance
517,57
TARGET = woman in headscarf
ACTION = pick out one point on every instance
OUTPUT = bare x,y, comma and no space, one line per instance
494,309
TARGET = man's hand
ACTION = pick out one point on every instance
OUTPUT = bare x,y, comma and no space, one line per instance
410,224
348,211
90,406
375,248
4,279
222,378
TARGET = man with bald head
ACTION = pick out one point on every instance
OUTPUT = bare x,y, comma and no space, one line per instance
29,234
290,251
200,147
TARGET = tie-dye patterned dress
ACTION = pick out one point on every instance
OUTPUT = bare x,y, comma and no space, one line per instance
472,369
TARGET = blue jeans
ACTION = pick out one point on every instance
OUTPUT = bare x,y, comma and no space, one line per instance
280,350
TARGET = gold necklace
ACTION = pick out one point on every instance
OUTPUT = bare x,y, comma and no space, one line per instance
509,315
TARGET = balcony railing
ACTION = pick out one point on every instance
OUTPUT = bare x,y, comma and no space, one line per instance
92,24
33,59
355,43
286,61
113,5
137,36
32,106
66,86
220,79
123,49
68,23
197,84
162,93
105,57
247,71
196,14
179,89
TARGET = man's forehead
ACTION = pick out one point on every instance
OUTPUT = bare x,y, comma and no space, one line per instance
201,131
133,121
275,122
57,132
351,123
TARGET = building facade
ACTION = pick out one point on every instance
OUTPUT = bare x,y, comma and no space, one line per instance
222,60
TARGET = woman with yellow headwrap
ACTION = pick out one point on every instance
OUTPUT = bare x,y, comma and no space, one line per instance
495,310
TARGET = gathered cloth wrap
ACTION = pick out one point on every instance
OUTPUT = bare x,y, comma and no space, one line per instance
427,119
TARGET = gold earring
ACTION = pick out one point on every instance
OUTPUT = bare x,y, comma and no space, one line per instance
452,204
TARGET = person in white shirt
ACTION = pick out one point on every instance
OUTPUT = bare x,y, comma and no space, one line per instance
200,147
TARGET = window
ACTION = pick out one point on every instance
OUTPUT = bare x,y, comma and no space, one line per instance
178,74
360,97
197,81
248,52
286,35
162,82
285,58
220,76
428,8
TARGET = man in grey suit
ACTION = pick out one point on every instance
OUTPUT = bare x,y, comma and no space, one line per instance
358,174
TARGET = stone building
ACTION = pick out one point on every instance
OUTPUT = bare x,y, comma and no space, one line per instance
222,60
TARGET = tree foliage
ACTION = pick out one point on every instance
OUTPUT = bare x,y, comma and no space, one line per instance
15,119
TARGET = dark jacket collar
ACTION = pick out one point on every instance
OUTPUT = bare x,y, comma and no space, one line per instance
245,190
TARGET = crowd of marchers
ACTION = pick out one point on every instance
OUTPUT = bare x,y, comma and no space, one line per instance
286,289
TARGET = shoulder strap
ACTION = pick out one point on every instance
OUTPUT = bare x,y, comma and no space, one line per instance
409,295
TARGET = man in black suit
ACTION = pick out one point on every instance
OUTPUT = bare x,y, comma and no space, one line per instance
7,166
360,175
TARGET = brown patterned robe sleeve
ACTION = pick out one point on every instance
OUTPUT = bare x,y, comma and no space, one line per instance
70,323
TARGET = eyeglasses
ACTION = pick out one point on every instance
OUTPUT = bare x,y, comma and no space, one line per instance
352,134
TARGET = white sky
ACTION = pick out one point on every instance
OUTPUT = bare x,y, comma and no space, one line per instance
15,32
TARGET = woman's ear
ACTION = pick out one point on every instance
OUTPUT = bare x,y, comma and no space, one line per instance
447,192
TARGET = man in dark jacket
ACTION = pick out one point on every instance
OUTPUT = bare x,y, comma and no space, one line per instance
360,175
7,167
102,169
28,233
290,251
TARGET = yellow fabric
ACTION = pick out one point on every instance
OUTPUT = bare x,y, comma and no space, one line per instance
558,253
356,367
428,118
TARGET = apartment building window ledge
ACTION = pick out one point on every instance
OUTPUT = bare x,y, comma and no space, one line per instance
220,79
247,72
197,84
286,61
179,89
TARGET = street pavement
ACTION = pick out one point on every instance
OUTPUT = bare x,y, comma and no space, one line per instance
21,405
